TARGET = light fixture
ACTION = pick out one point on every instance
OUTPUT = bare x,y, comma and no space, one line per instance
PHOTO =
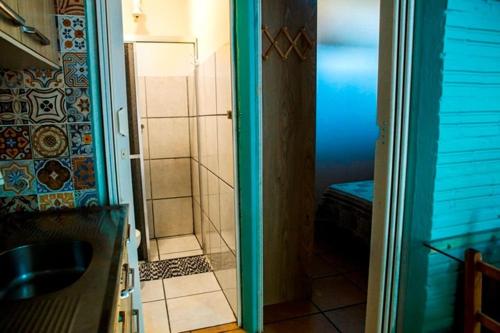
136,9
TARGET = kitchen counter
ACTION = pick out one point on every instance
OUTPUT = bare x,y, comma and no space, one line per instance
89,304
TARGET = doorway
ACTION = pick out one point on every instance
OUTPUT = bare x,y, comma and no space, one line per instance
181,125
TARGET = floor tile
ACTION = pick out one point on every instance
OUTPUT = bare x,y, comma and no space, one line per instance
344,262
155,317
312,324
321,268
178,244
334,292
199,311
190,285
151,291
288,310
359,278
350,319
180,254
153,250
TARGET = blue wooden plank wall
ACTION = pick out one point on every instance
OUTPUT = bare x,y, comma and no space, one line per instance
463,163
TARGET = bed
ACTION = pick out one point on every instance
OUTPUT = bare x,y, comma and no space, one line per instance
346,209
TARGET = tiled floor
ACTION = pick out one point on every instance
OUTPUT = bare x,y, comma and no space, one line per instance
182,303
338,302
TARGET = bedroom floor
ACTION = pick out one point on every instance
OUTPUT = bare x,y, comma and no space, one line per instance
338,302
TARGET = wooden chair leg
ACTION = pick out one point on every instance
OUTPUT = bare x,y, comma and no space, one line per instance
473,292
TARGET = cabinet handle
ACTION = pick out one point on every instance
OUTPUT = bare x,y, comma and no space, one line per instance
122,316
36,33
135,313
11,14
129,286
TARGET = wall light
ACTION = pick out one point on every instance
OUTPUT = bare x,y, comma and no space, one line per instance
136,9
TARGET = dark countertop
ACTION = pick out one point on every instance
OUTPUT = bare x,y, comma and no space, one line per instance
88,305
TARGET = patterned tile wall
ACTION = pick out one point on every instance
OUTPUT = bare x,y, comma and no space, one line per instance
46,141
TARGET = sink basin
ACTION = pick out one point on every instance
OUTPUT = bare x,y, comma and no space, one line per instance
36,269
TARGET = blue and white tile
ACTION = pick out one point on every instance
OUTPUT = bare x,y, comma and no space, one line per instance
81,138
53,175
72,33
19,178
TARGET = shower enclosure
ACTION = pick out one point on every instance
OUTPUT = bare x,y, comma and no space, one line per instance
182,147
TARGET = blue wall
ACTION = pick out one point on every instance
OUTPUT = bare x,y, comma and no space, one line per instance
454,165
346,114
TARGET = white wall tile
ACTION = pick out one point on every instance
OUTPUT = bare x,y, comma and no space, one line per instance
150,216
167,96
173,217
168,137
147,179
170,178
223,78
191,94
225,149
145,138
227,220
215,245
197,221
205,228
208,142
193,132
207,103
204,189
195,180
214,200
141,96
226,275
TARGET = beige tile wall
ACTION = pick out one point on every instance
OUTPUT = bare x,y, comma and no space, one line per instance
212,167
164,108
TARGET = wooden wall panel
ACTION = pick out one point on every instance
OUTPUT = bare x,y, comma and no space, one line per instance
289,107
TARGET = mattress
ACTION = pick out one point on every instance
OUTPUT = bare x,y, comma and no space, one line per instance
347,208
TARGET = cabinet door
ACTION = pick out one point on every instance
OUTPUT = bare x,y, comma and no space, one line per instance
40,14
6,24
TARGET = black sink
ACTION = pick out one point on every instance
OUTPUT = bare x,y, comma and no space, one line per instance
36,269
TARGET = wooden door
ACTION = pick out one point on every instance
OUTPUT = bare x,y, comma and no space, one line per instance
40,14
6,24
289,108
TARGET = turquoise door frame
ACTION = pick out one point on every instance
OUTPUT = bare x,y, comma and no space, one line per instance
248,75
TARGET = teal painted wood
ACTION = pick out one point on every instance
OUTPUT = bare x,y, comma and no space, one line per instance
454,169
96,107
249,155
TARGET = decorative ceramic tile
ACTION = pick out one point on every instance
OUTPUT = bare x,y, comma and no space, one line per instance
56,201
86,199
49,141
26,203
46,105
18,177
81,139
10,79
83,173
13,107
77,105
43,78
70,7
53,175
75,70
15,143
72,33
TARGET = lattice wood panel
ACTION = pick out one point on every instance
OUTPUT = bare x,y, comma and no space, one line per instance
300,44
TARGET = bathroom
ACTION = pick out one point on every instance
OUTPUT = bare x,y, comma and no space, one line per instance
179,74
